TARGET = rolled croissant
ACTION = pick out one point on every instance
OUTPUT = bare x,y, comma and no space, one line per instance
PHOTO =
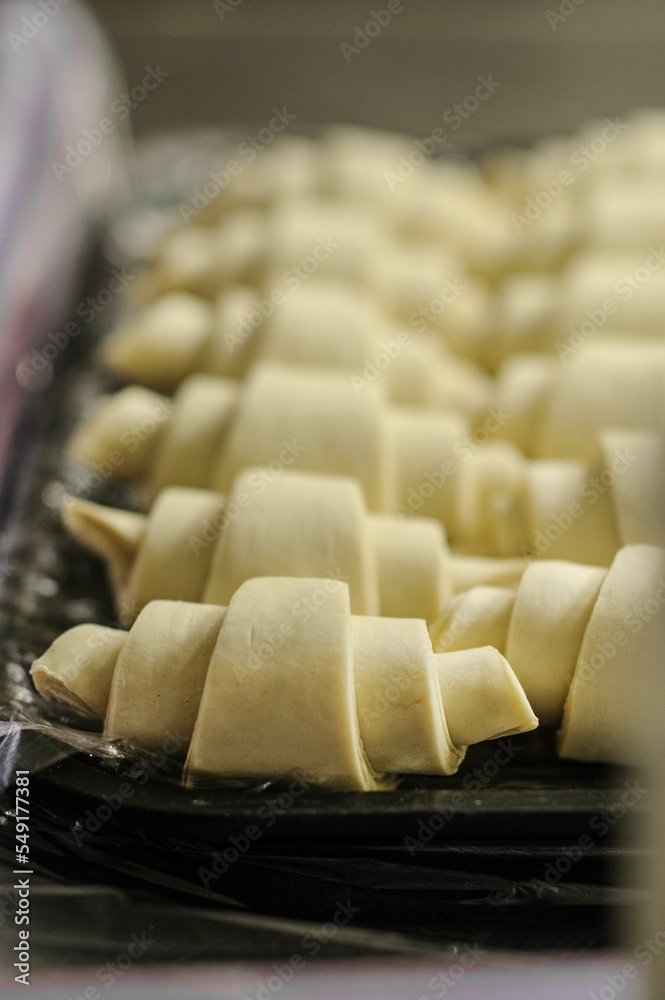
286,681
322,323
579,638
195,545
558,410
490,500
599,297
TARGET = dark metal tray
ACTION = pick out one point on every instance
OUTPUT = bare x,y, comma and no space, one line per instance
496,835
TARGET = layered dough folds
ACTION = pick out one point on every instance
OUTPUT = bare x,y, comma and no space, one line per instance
490,499
579,638
196,545
561,406
285,681
321,324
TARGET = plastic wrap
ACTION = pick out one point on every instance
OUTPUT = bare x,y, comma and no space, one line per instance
415,884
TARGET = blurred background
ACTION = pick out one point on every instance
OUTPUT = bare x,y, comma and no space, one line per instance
559,62
551,65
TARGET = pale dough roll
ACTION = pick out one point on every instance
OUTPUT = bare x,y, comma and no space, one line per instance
595,278
295,524
413,374
413,565
78,666
193,545
626,213
482,696
114,535
475,618
276,685
475,571
609,383
568,516
160,673
409,276
489,498
236,324
312,419
123,432
203,409
400,713
459,384
201,259
236,243
169,564
353,161
426,449
324,323
635,460
526,306
450,203
162,344
552,607
279,697
607,698
524,384
183,262
306,236
421,373
288,167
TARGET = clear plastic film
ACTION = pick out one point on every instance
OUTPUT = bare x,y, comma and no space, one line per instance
236,871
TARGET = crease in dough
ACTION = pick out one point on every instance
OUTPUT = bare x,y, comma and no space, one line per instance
286,681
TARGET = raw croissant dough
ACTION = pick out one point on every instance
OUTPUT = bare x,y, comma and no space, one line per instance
323,323
197,546
345,202
558,410
490,500
285,681
576,637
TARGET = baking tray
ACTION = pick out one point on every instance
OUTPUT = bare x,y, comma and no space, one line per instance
50,584
513,823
